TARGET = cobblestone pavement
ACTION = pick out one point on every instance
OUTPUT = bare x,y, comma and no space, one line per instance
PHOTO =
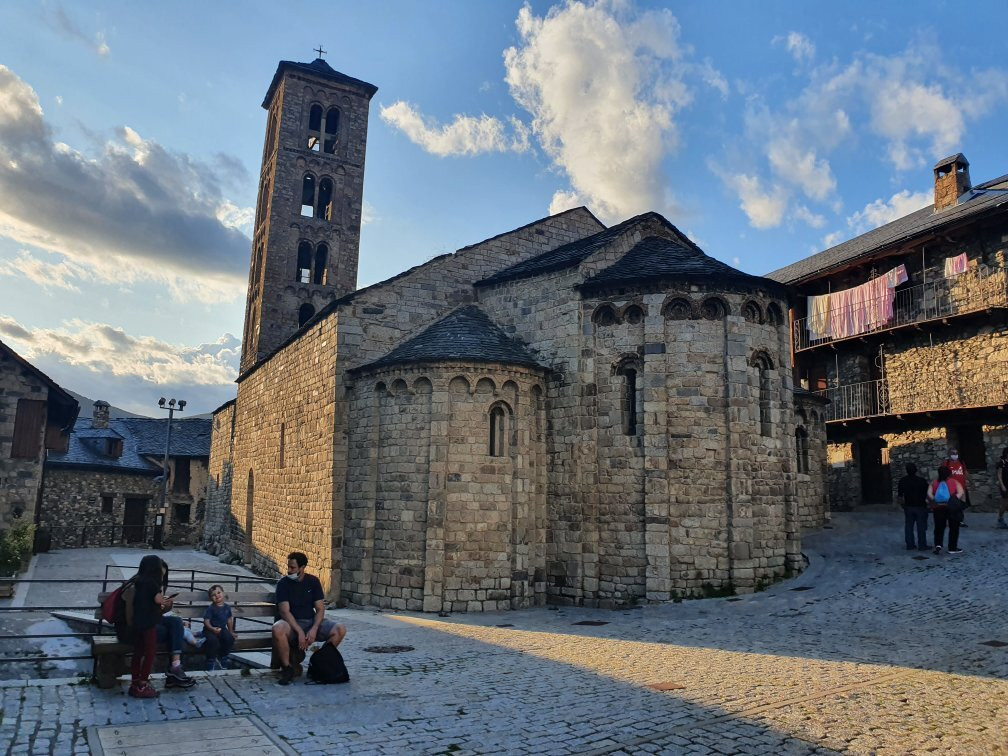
871,650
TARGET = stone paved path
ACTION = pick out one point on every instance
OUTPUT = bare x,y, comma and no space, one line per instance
869,651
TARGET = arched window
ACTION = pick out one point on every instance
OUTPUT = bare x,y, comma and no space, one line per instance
304,259
500,420
308,195
270,135
678,309
762,362
321,260
774,315
305,313
324,207
331,130
314,127
801,448
752,312
604,316
631,406
713,309
633,314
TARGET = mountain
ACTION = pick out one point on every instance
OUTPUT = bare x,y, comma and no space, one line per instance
87,407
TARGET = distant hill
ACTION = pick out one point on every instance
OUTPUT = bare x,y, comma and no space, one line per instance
87,407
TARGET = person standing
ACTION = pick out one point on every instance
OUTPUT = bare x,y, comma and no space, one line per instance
939,495
1001,473
913,489
301,606
960,474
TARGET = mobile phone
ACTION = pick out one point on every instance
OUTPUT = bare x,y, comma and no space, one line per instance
171,595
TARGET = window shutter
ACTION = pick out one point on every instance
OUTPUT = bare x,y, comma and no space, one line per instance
28,425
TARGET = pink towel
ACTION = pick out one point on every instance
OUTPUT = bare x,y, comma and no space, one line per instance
956,265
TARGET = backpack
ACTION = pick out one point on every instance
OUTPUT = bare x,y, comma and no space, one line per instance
113,610
941,494
326,666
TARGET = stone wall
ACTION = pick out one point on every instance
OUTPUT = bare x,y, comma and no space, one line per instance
812,490
20,479
221,529
72,506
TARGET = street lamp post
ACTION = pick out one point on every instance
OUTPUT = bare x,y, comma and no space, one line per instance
171,406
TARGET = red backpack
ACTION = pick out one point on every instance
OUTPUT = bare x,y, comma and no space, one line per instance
113,608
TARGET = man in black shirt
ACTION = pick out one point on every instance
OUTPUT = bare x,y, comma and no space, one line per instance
913,489
300,603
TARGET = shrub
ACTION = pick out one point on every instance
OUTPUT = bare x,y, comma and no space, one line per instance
15,547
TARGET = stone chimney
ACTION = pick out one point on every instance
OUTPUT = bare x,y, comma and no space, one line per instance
952,180
100,414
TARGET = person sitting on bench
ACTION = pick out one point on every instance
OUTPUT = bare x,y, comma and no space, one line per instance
300,604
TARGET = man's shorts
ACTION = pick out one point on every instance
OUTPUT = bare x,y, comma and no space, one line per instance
324,631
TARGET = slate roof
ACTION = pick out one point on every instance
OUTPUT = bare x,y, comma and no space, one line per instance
319,68
465,335
141,437
656,258
984,198
567,255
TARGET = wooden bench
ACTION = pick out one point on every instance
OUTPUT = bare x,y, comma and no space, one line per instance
112,655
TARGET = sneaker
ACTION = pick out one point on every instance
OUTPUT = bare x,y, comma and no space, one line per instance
286,675
177,678
142,690
962,524
955,551
937,549
199,641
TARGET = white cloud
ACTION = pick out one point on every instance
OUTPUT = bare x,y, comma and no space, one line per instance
602,83
880,212
47,275
831,240
136,211
801,47
58,20
806,216
109,351
765,208
368,214
466,135
800,166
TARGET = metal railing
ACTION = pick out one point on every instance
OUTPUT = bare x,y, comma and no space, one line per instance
876,398
976,289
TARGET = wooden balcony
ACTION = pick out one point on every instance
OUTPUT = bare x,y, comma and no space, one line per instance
979,289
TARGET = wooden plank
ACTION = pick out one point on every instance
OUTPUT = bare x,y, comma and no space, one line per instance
238,735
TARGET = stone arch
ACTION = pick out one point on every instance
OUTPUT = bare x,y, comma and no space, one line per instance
604,315
399,387
304,262
510,389
761,359
774,314
501,435
752,312
485,384
633,314
332,122
380,387
714,308
423,385
631,405
308,183
314,137
305,313
459,385
324,205
678,308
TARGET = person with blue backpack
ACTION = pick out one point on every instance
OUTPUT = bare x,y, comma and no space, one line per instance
946,497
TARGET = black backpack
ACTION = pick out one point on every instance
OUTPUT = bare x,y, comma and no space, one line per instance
326,666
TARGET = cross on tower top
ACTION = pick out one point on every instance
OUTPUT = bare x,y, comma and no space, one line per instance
320,51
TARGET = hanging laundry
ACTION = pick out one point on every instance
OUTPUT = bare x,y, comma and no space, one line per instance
819,317
956,265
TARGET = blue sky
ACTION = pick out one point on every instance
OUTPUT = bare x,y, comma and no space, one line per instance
131,135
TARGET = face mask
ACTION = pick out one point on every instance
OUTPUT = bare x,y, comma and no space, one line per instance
292,575
955,457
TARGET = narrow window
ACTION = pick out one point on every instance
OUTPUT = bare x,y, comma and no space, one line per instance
331,130
633,315
763,364
314,127
321,260
182,512
324,208
604,316
308,196
182,476
971,447
305,313
28,423
283,442
630,402
107,501
304,261
801,447
497,432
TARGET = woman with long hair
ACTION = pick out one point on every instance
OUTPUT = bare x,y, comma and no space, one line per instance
148,603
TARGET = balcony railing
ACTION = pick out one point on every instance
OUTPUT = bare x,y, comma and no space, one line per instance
943,391
979,288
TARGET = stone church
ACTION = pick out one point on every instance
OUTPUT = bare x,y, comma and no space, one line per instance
562,413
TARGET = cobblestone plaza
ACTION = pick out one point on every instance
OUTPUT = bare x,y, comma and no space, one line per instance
872,649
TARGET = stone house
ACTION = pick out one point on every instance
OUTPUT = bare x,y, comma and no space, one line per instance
36,417
106,487
563,412
905,330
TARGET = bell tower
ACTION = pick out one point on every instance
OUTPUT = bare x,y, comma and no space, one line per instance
306,237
